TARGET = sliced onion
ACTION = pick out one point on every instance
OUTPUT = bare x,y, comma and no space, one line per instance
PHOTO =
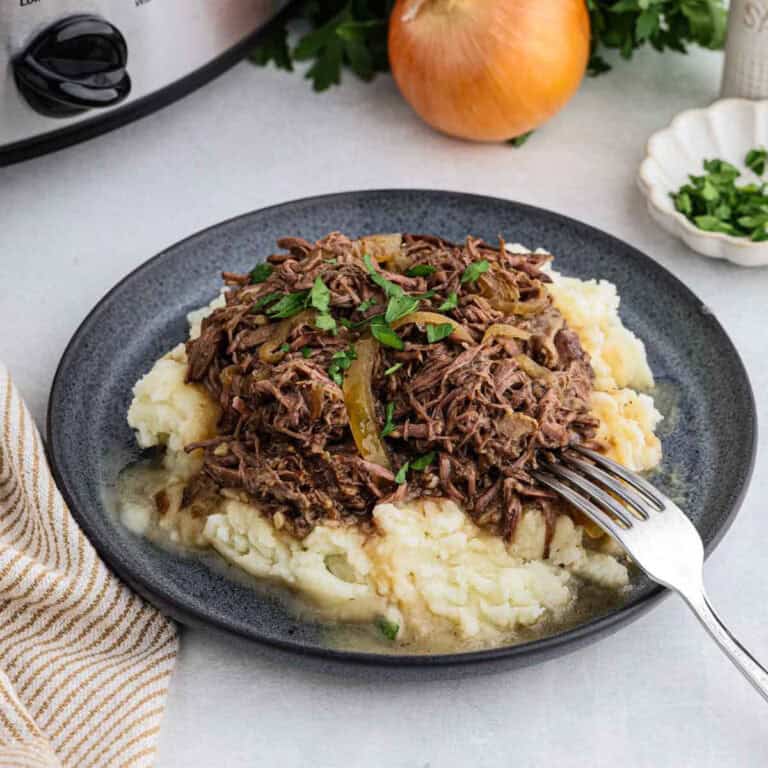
361,405
532,368
269,350
501,330
459,333
385,249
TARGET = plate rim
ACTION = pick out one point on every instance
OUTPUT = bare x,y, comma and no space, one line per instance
532,648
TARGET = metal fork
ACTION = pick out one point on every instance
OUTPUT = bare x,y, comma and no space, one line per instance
653,530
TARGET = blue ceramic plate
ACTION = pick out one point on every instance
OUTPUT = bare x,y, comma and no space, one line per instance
709,439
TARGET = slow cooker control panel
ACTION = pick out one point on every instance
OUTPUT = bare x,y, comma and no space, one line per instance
76,64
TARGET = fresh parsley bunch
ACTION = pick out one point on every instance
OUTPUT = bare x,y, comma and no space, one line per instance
334,34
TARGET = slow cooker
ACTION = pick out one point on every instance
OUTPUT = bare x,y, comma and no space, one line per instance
74,68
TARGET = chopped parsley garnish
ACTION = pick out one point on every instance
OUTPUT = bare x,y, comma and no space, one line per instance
426,295
333,262
755,160
421,270
422,462
320,299
714,203
400,306
389,288
285,347
389,425
438,332
320,296
402,473
306,352
260,273
366,305
393,368
387,628
325,323
450,303
474,270
382,332
289,305
269,298
340,362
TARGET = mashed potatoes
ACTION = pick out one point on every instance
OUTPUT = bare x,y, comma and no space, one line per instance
428,571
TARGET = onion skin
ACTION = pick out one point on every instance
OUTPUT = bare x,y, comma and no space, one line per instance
488,70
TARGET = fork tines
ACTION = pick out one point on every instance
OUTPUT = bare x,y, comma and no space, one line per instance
589,479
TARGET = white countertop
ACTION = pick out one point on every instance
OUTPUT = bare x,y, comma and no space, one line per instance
658,693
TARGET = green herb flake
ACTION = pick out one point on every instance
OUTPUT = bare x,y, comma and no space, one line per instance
518,141
400,306
306,352
289,305
389,425
714,202
385,335
334,261
438,332
450,303
387,627
755,160
285,347
260,273
389,288
421,270
366,305
340,362
325,323
474,270
402,473
393,368
422,462
320,296
269,298
423,296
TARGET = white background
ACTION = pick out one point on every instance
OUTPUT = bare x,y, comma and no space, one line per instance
658,693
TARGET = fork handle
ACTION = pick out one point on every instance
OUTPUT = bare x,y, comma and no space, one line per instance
744,661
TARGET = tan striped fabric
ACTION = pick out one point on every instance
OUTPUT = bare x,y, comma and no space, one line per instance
84,663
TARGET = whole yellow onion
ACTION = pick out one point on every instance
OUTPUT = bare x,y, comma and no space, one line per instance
488,70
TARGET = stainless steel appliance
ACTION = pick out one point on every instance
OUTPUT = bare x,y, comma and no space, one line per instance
71,69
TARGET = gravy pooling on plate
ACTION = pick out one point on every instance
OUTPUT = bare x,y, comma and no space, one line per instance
356,420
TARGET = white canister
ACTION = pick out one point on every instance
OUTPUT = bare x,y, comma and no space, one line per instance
746,50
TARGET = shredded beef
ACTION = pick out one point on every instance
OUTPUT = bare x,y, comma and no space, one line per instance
484,409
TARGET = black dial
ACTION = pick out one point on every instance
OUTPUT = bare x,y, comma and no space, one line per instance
75,65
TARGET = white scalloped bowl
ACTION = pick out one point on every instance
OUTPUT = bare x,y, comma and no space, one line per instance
727,129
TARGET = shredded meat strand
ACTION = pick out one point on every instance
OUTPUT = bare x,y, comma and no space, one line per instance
485,409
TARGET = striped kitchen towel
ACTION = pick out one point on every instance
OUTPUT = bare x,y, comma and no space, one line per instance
84,663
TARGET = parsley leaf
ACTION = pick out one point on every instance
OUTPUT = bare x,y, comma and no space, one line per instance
402,473
325,323
518,141
320,296
382,332
269,298
421,270
387,628
291,304
285,347
400,306
450,303
755,160
260,273
715,203
393,368
474,270
438,332
306,352
423,462
389,425
340,362
366,305
389,288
